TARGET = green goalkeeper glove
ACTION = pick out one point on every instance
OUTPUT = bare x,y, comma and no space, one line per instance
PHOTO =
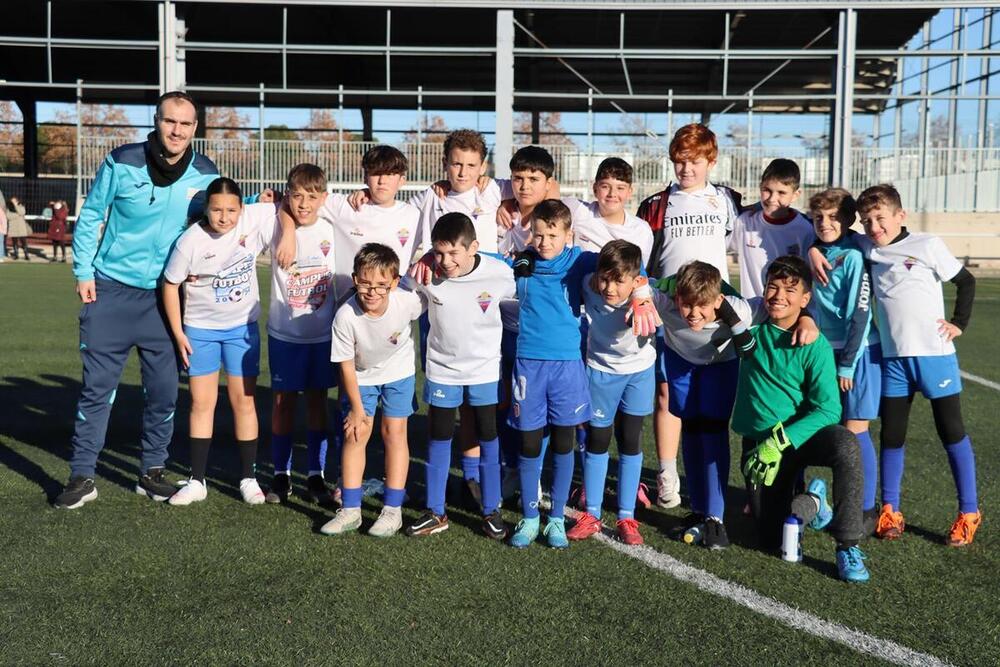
761,467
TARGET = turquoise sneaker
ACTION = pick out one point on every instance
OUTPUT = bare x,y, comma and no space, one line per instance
851,565
817,488
525,533
555,533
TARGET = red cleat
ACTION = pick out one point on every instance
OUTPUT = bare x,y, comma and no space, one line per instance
585,526
628,532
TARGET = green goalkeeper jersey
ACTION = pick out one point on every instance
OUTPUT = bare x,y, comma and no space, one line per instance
796,386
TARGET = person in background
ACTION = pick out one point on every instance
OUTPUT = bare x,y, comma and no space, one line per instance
57,230
17,227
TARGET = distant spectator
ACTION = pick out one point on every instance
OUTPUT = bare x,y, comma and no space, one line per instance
57,230
3,230
17,227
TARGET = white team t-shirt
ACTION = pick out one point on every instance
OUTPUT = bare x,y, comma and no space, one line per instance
302,297
695,227
907,277
513,241
708,346
394,226
481,207
611,345
381,347
591,231
463,346
225,293
758,242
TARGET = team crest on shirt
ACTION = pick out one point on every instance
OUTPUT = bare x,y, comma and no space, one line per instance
839,261
484,300
243,240
477,212
394,338
437,301
909,262
403,235
713,201
324,247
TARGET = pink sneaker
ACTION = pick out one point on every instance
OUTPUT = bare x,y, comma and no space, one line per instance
642,495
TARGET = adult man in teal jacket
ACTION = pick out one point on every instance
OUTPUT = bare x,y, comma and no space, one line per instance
144,194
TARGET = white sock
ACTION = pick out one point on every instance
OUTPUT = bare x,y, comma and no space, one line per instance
668,465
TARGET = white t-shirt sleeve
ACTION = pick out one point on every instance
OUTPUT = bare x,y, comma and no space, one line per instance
945,265
179,266
260,220
344,335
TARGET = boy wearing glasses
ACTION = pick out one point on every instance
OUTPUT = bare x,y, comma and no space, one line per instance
373,344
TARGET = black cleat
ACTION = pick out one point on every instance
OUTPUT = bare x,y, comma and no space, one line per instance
428,523
690,521
79,491
715,537
494,527
154,485
317,491
281,485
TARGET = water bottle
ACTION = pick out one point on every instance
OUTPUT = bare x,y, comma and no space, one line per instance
694,534
791,540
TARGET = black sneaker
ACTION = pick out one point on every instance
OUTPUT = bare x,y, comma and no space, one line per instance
281,485
154,485
472,495
690,521
317,491
494,527
80,490
715,537
429,523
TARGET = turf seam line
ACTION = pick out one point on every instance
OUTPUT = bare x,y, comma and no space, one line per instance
861,642
980,380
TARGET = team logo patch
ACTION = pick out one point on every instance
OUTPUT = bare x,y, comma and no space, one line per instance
394,338
243,240
713,201
839,261
403,235
477,212
357,232
909,262
208,255
484,300
437,301
324,247
792,250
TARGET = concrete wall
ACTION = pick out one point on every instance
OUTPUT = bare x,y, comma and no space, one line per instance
974,235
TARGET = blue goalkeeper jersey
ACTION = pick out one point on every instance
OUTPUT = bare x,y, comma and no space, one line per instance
843,308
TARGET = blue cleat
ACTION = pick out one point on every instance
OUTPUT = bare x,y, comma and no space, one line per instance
555,533
525,533
817,488
851,565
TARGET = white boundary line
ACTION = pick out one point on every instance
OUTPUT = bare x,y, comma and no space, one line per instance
980,380
771,608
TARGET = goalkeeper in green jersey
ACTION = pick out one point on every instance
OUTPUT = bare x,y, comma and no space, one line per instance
788,412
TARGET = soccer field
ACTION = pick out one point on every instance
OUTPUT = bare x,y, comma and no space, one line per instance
125,580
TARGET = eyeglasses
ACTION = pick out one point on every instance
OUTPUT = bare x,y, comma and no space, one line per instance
380,290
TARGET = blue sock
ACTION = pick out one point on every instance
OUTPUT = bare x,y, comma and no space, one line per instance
393,497
963,469
350,497
581,447
629,472
694,470
562,479
438,462
470,467
595,472
715,453
316,444
531,474
892,475
281,453
489,474
869,464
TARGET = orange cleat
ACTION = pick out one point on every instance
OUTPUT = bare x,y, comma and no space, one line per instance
890,524
585,526
964,529
628,532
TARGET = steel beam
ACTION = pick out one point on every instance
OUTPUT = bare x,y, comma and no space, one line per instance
504,91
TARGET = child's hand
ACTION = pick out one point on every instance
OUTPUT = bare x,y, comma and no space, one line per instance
354,423
359,198
87,291
819,266
285,253
642,311
266,196
846,384
505,213
483,182
423,269
441,189
806,332
948,331
184,348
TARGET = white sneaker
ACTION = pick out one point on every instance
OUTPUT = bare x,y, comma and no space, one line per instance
251,491
388,523
668,489
192,492
344,521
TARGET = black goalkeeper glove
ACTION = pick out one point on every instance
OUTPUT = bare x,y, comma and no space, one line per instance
524,264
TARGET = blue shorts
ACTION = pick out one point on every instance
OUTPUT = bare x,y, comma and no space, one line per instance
548,392
235,350
300,366
631,394
934,377
661,362
453,395
861,402
706,391
398,399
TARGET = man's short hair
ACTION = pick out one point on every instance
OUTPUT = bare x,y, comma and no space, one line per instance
698,283
616,168
694,141
533,158
837,199
466,140
454,228
619,259
879,195
308,177
784,171
377,257
790,267
174,95
553,212
381,160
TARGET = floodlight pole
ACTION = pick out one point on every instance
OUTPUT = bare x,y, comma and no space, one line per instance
260,140
923,124
340,134
747,172
504,137
843,105
79,144
984,90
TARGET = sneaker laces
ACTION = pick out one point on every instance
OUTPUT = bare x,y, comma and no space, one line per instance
628,525
961,528
854,557
887,520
